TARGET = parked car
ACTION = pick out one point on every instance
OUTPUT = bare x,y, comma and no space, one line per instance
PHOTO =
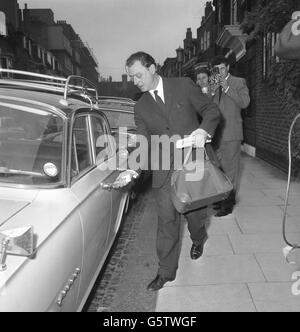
56,218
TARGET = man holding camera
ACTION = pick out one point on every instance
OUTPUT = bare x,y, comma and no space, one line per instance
231,95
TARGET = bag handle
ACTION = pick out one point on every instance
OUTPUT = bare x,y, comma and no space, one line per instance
212,155
209,154
187,157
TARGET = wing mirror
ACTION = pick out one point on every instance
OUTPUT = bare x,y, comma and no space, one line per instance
16,241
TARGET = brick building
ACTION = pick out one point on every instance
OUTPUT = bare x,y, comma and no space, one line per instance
9,38
267,121
35,42
206,37
123,88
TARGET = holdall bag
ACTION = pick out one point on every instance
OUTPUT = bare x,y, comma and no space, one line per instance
288,43
212,187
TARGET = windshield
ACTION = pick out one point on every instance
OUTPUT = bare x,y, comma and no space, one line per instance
30,146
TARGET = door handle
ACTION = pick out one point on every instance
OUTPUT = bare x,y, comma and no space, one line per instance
106,186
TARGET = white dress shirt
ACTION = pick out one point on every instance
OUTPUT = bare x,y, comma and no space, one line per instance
160,90
226,80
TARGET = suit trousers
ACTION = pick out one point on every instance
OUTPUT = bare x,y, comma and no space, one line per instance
229,154
168,242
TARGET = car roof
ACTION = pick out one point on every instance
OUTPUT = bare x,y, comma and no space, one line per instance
50,99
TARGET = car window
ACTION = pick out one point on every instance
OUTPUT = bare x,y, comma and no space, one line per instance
31,145
103,148
81,153
123,128
118,119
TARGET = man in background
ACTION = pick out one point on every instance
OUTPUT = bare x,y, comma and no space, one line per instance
231,95
202,79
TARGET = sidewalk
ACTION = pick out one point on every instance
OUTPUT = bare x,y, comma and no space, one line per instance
242,268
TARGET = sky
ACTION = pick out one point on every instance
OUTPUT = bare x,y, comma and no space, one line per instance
114,29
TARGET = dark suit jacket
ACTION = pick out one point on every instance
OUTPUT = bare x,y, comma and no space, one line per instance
230,105
183,100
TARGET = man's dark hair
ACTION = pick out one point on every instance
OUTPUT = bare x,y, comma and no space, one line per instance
219,59
145,59
203,71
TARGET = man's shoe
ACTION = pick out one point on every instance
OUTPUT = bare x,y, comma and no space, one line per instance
158,283
197,250
223,212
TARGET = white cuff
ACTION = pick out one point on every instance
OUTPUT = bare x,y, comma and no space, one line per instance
135,174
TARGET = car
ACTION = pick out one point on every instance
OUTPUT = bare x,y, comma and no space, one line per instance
58,220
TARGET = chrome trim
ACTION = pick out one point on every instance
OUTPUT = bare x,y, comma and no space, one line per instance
31,85
76,87
114,110
82,174
24,108
67,85
54,109
117,98
69,180
27,73
63,293
102,117
58,185
3,247
91,138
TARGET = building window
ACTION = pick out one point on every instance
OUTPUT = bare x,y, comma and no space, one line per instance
24,42
6,63
220,11
3,31
234,11
205,40
43,57
208,39
29,47
49,58
39,52
202,44
269,41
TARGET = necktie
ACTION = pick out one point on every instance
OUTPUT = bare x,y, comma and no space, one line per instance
159,101
220,93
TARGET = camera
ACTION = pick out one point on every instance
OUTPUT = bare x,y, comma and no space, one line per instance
215,71
215,76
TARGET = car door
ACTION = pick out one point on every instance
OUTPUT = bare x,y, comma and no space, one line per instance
116,161
95,204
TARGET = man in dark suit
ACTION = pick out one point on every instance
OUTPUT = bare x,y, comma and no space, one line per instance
231,95
169,106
